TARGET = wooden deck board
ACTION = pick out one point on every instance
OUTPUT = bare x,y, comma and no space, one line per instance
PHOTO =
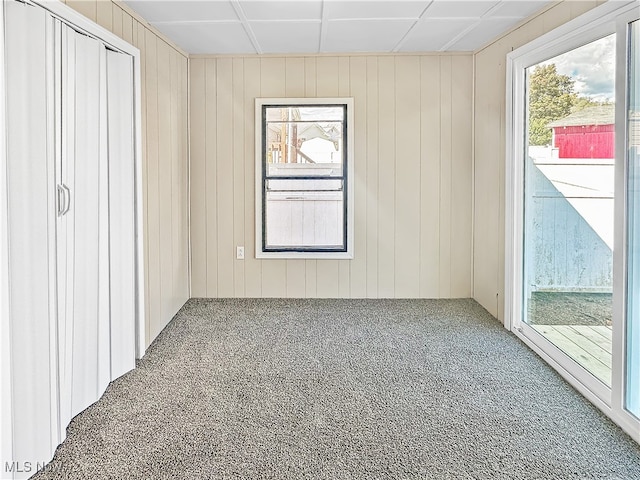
584,342
598,335
606,332
589,346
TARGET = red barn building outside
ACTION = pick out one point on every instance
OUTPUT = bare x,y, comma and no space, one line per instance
588,133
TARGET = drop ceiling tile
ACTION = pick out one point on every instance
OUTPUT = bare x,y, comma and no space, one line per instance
213,26
287,10
176,11
521,9
458,8
364,35
374,9
208,37
287,37
432,35
487,30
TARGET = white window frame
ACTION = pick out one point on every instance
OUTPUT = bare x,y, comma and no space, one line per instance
611,17
347,102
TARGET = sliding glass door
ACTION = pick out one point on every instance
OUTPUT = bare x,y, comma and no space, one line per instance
632,370
573,214
569,198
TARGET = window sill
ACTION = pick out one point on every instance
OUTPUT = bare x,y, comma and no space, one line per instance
305,255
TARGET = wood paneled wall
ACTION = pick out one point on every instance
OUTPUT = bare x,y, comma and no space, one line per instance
165,159
413,175
489,150
414,171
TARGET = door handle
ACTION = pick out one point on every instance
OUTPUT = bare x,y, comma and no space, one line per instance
61,202
68,198
64,199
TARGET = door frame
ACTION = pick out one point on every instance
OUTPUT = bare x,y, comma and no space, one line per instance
611,17
6,412
68,16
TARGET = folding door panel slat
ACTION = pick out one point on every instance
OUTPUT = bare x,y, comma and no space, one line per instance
28,37
83,161
121,211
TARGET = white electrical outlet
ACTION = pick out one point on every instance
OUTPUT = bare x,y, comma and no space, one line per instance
240,253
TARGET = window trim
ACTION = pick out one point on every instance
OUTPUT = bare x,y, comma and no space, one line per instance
260,178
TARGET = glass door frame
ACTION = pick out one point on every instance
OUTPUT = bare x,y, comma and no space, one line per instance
606,19
621,250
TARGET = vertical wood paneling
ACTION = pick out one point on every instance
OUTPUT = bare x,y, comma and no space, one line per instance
141,44
116,20
445,176
165,180
239,111
435,172
310,84
104,14
561,15
430,178
127,27
327,76
371,233
183,285
198,207
177,166
134,33
274,271
294,79
412,147
407,187
88,8
486,201
344,90
294,87
224,177
327,85
252,266
578,8
159,164
152,207
386,180
164,177
211,203
461,201
358,90
489,146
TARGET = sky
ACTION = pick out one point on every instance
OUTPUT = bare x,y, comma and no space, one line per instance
592,66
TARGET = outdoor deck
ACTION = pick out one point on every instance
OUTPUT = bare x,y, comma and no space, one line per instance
589,346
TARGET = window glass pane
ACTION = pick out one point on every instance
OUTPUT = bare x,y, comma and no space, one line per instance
304,141
304,219
276,184
632,373
305,178
306,113
569,201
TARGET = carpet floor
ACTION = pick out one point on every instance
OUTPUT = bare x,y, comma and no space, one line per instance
341,389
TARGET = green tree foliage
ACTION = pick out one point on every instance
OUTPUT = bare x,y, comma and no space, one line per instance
551,97
583,102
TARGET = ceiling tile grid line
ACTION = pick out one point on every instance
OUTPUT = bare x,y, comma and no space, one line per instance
333,26
323,28
402,40
461,35
472,27
238,9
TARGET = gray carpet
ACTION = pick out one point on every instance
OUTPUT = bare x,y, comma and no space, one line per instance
341,389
